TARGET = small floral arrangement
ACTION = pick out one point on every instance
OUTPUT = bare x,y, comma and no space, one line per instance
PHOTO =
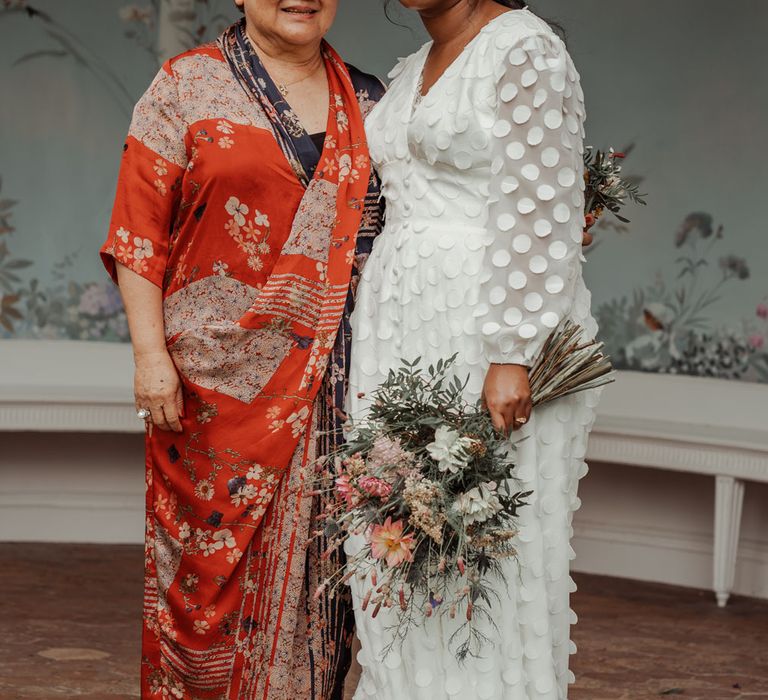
429,483
605,188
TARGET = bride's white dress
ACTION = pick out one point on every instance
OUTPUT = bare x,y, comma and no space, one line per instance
480,256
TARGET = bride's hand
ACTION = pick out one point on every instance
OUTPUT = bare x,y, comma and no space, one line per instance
507,396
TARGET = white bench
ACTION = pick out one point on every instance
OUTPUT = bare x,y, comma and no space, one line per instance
684,424
690,424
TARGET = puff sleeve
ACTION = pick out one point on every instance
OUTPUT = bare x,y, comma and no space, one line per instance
536,201
149,183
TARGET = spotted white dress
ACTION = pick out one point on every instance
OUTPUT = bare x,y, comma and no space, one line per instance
480,256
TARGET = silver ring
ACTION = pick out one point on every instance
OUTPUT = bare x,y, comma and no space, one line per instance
521,421
143,414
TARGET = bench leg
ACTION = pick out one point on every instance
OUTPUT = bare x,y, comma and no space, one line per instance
729,498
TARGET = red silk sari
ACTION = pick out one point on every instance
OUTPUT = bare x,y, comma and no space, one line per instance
254,256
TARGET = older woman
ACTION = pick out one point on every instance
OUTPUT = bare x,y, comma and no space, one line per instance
244,205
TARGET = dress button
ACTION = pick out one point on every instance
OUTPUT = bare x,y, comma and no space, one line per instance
407,182
406,224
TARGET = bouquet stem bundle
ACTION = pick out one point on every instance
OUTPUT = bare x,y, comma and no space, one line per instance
568,364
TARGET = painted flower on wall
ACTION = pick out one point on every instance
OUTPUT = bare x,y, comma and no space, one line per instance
192,23
10,281
667,327
140,22
64,308
662,326
8,311
758,339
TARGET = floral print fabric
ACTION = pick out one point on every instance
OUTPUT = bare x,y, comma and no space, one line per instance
255,264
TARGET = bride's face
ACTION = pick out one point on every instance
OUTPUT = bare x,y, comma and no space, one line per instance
439,6
433,5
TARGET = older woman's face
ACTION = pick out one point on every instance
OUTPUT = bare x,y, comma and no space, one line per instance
296,22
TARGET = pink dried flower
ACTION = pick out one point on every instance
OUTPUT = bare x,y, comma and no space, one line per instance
388,542
387,452
373,486
408,472
346,490
756,341
762,310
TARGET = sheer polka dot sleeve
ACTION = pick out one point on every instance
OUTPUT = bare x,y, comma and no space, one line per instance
536,201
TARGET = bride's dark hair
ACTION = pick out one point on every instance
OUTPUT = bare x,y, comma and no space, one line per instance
517,5
512,5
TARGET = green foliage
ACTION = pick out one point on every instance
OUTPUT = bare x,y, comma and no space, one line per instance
408,408
605,187
427,471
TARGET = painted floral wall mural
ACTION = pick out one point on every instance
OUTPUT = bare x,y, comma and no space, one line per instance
667,325
55,302
680,290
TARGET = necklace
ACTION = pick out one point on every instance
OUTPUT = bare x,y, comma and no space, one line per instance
283,87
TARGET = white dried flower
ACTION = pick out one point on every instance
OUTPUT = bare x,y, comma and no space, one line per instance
449,450
478,504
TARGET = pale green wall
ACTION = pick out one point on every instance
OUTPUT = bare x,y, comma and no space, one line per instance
682,80
364,36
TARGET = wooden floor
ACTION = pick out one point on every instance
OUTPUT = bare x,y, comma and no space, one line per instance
69,628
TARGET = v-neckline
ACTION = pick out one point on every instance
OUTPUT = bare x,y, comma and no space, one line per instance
418,97
274,96
306,137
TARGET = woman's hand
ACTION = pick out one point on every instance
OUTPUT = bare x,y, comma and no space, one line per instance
507,396
157,387
156,383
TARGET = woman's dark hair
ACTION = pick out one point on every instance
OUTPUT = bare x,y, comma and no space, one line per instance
517,5
512,5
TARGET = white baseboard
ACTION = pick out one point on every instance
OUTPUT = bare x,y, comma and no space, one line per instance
72,516
636,551
640,551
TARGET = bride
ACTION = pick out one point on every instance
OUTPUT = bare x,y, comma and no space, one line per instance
479,146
